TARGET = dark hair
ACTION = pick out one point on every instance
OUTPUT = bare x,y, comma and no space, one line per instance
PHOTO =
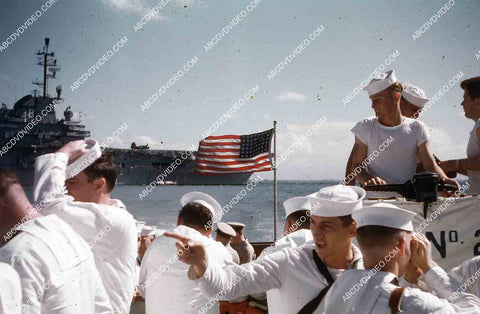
7,179
103,167
472,86
196,215
296,217
377,236
346,220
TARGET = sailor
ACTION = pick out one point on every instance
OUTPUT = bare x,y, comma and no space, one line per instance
296,233
468,274
412,101
301,274
387,146
240,243
163,280
102,222
411,105
469,166
389,246
225,233
10,290
55,265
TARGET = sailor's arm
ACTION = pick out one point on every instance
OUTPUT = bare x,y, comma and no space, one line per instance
359,155
447,288
428,161
349,170
50,171
465,164
234,280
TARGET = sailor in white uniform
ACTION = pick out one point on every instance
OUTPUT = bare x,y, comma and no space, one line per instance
296,233
300,274
468,274
389,246
163,280
104,223
55,265
10,290
469,166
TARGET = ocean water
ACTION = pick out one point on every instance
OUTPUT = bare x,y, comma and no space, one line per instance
160,207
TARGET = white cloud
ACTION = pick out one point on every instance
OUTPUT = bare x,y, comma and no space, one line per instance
291,96
322,156
137,6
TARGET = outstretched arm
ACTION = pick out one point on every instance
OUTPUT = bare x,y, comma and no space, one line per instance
428,161
232,281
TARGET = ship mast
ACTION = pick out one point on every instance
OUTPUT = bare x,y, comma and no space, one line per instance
46,62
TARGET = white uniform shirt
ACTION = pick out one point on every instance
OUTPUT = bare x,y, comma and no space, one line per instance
468,274
10,290
473,149
292,271
394,162
163,279
56,269
109,230
353,293
294,239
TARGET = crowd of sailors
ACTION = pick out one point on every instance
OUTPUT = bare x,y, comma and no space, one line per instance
80,251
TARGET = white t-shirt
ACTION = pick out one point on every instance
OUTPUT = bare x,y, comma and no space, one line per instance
473,149
10,290
392,151
56,269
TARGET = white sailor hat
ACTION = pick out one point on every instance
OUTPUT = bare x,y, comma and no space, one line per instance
139,224
296,204
226,229
381,82
205,200
336,201
384,214
147,231
414,95
236,224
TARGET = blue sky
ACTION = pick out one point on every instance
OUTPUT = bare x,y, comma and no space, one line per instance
357,38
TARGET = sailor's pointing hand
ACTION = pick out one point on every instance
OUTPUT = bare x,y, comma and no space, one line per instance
191,253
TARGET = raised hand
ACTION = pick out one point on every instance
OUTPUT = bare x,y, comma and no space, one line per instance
421,252
73,149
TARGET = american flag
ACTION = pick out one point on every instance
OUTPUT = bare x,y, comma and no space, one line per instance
234,153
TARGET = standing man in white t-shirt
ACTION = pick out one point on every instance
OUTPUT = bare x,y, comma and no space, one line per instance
387,145
411,106
470,166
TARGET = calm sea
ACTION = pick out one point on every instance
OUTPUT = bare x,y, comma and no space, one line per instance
160,208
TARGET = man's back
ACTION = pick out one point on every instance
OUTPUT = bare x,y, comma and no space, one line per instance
163,279
56,269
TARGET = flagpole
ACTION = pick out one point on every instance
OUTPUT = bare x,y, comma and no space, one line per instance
274,180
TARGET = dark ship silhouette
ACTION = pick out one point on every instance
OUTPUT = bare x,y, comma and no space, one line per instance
20,143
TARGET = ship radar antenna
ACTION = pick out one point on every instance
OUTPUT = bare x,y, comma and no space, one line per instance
59,91
46,60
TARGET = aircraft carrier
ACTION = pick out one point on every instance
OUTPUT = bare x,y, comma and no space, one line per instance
31,128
